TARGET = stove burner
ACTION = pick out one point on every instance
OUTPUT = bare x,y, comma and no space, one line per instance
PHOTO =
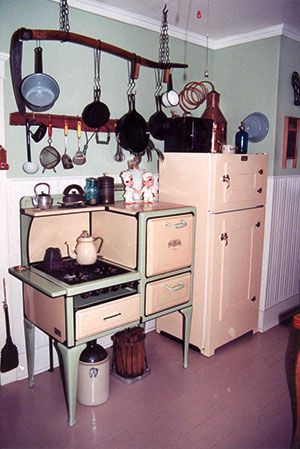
72,273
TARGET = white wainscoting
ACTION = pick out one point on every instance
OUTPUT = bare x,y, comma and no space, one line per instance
281,264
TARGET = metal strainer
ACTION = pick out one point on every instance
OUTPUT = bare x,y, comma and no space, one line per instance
49,156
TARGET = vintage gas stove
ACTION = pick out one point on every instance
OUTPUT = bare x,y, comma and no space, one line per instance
145,270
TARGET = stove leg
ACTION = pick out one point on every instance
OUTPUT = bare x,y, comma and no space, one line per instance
29,329
187,320
70,358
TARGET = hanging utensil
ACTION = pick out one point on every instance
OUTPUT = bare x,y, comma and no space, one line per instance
96,114
132,129
119,156
66,159
158,122
49,156
9,353
79,158
39,91
29,167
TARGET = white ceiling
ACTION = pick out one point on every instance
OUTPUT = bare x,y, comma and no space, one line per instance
220,19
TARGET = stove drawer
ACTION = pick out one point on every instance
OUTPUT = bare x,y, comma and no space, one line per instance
167,293
107,316
169,244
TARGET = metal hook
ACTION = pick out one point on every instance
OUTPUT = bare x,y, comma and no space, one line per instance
165,10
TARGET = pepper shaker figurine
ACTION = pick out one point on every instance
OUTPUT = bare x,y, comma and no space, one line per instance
148,189
127,180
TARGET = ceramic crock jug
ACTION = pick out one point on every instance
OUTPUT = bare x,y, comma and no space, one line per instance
85,251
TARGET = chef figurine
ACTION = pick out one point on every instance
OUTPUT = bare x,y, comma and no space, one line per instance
148,189
129,189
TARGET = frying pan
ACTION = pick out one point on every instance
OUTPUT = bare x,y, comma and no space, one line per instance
158,122
40,91
96,114
132,129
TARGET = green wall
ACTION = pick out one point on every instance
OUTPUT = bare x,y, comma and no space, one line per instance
247,76
72,66
250,77
289,62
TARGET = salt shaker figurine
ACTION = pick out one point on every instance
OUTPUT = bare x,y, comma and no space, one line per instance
148,189
129,189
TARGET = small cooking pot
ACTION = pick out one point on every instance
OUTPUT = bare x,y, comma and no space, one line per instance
42,200
170,98
73,194
39,91
52,259
40,132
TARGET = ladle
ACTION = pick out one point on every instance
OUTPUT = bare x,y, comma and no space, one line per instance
29,167
79,158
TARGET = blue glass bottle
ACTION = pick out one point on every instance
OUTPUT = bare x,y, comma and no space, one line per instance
91,192
241,140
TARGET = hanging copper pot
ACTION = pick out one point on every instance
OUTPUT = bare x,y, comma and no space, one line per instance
213,112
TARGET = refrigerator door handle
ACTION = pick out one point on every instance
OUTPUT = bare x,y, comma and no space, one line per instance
226,178
224,236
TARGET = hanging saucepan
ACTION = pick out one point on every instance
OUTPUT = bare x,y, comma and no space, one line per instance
132,130
170,98
96,114
158,122
39,91
49,156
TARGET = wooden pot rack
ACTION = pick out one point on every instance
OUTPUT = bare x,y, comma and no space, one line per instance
58,121
16,49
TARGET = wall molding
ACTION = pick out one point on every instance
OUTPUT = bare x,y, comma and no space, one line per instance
112,12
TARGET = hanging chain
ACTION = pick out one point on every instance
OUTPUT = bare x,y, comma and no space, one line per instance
164,52
64,16
97,80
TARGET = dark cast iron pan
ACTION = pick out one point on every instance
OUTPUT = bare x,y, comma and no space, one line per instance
132,129
158,122
96,114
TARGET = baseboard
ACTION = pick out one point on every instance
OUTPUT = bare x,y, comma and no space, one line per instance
272,316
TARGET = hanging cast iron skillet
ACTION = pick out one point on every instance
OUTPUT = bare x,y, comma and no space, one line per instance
132,129
158,122
96,114
39,91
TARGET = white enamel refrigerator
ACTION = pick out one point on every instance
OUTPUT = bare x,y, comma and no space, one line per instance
229,192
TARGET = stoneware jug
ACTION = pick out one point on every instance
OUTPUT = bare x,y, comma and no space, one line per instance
85,251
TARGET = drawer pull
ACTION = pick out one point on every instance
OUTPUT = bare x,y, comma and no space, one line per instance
112,316
179,286
180,224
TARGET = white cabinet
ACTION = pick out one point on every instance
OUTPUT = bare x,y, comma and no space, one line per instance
229,192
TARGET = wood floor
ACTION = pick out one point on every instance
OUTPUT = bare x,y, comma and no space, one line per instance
238,399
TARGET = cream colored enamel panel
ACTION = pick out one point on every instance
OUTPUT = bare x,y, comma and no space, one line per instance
169,243
238,181
54,231
119,233
107,316
45,312
166,293
235,273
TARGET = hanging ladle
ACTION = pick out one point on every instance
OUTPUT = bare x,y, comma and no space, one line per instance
29,167
79,158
